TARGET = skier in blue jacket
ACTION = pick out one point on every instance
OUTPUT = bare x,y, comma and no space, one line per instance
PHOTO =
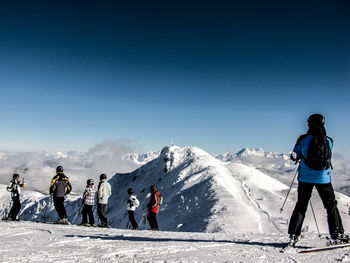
313,150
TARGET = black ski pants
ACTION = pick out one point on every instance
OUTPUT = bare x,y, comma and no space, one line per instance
102,213
16,207
59,206
152,220
132,219
326,193
87,211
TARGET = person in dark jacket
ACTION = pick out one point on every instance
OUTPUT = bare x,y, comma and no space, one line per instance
153,208
318,177
15,188
60,187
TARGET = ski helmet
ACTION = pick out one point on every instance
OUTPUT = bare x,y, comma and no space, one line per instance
90,182
153,188
317,119
103,176
15,176
131,191
59,169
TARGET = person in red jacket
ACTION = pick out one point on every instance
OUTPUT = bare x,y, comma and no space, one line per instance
153,208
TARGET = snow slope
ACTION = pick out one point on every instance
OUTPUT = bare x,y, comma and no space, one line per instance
141,159
280,167
201,194
36,242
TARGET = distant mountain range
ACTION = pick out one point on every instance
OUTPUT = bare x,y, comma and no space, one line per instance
203,193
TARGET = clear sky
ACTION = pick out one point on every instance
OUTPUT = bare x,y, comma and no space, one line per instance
220,75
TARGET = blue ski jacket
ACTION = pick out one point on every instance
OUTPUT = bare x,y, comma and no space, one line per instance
306,174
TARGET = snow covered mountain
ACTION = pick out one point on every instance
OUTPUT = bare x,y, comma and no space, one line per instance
141,159
201,194
280,167
265,161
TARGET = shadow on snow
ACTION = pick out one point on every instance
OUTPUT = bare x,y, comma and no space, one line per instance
158,239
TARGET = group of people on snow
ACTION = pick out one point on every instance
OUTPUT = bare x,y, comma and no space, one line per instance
61,186
312,151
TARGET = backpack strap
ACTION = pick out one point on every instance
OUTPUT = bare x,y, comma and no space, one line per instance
331,149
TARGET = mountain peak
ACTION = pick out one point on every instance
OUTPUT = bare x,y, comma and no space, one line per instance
248,152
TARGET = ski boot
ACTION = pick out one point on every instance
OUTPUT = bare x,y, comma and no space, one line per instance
62,221
293,239
290,247
104,225
338,239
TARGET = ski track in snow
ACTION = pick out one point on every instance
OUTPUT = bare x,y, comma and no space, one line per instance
38,242
254,203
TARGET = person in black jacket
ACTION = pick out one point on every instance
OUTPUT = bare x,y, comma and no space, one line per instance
59,188
15,188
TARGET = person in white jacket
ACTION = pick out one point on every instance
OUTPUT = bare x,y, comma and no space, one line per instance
131,206
104,191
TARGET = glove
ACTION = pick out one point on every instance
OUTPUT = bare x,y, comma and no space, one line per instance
292,157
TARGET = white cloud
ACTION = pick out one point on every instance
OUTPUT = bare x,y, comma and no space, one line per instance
38,168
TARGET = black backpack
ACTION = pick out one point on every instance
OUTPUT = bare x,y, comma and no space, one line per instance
319,153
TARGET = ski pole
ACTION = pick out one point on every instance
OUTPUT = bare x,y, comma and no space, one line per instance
285,200
146,220
143,218
77,213
313,213
7,211
49,203
10,208
95,206
43,215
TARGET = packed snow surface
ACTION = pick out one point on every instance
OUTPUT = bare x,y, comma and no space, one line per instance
37,242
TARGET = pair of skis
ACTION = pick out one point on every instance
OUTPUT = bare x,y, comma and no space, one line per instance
331,245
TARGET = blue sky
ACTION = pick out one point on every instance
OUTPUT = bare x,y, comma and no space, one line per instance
217,75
